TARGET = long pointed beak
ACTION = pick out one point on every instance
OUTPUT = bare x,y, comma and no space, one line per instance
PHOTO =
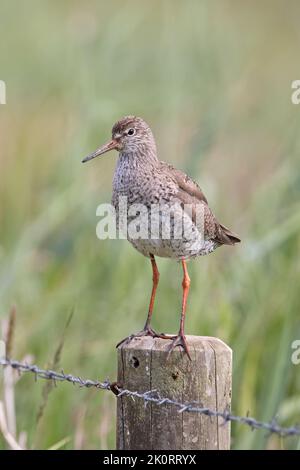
113,144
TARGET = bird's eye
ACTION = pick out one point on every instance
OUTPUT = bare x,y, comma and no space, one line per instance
131,131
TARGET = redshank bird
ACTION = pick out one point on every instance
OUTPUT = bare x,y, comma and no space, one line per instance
143,179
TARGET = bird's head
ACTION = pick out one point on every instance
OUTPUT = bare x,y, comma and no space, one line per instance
130,135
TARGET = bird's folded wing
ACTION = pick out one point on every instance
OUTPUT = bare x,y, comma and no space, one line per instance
185,183
190,194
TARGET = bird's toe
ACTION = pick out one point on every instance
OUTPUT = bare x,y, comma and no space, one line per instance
180,341
147,331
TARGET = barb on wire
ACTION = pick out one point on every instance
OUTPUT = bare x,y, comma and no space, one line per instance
152,396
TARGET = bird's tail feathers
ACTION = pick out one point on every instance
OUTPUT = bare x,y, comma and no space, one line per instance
227,237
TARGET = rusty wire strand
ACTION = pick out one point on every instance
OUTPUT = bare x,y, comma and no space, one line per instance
152,396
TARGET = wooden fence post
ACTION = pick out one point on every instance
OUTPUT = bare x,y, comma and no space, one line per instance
143,366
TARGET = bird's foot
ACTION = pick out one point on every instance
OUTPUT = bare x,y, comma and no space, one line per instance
146,331
179,340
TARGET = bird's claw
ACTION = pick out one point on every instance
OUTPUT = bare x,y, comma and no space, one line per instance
147,331
179,340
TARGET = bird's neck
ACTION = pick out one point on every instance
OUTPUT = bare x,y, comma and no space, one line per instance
132,167
143,157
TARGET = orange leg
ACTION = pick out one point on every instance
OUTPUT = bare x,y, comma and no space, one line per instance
180,340
155,279
147,330
186,282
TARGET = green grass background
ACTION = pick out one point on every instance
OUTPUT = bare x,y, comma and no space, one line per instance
213,79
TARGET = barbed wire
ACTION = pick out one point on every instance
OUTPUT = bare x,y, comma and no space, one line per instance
53,375
152,396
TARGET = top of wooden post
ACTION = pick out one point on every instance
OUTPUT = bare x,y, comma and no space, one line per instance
195,343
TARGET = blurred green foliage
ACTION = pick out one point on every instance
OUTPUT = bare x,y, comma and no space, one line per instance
213,79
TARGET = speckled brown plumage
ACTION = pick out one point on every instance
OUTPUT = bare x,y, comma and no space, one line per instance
143,179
